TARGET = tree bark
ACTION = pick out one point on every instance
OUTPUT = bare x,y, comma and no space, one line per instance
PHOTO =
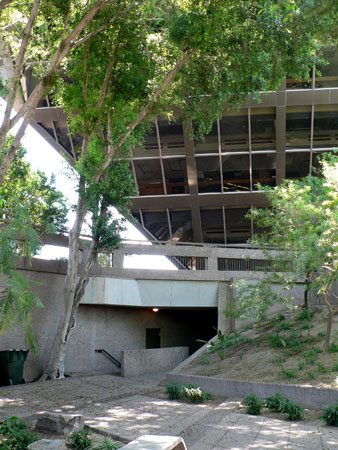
55,366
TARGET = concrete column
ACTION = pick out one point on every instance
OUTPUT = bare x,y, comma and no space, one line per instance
118,257
226,325
212,262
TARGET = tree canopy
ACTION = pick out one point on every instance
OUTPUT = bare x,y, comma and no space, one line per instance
301,226
45,205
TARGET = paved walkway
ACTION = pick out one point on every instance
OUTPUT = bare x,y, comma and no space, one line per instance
126,409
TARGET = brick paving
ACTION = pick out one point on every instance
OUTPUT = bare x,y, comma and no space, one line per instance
126,409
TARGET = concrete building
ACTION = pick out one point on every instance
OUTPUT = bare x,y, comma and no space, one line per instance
188,191
200,191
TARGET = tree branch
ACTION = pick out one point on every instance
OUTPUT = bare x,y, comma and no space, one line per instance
104,27
4,3
62,51
142,114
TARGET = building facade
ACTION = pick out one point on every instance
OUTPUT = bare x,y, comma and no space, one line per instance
201,190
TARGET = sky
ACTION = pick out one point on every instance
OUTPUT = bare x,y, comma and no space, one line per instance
45,158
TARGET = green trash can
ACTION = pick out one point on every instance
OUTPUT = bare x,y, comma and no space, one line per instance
11,366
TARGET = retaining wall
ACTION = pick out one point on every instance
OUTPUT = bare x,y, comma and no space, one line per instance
139,362
309,397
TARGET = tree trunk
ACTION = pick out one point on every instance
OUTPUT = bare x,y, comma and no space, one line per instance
328,331
331,313
306,290
55,366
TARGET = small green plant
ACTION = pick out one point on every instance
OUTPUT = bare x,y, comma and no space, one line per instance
335,368
288,373
311,355
279,403
330,415
311,374
301,365
293,411
307,325
284,326
14,434
333,347
80,440
279,360
321,334
254,404
173,390
193,394
321,368
275,402
276,341
223,342
205,361
305,314
108,444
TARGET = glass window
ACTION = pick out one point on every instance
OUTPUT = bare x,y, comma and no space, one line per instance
157,223
238,227
149,176
236,174
171,137
263,134
298,127
175,172
325,132
235,131
208,174
150,146
327,74
209,144
212,226
264,170
297,165
181,226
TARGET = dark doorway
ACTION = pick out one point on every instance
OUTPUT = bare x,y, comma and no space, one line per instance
153,337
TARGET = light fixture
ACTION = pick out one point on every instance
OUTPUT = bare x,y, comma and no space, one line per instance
155,310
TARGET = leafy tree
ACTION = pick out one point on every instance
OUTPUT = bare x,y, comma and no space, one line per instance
302,226
31,190
29,206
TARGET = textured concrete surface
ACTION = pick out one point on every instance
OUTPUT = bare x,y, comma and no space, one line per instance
127,409
139,362
309,397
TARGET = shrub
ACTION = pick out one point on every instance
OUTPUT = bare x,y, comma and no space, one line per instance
14,434
254,404
193,394
330,415
293,411
275,402
305,314
279,403
79,440
190,393
107,444
173,390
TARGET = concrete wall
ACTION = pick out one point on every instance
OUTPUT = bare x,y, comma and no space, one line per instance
114,329
150,293
139,362
309,397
